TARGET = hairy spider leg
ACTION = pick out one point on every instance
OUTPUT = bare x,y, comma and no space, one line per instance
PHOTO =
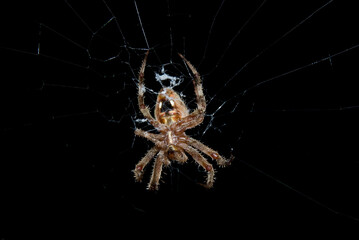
155,138
138,171
221,161
141,98
202,162
197,116
188,122
197,83
157,170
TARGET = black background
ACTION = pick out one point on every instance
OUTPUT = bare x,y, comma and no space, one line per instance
68,146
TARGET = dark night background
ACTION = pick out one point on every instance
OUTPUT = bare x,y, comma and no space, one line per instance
68,145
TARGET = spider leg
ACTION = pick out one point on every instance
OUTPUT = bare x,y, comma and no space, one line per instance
156,172
221,161
188,122
197,82
138,171
141,90
197,116
155,138
203,163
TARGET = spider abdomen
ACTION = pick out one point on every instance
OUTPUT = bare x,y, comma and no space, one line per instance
170,108
169,117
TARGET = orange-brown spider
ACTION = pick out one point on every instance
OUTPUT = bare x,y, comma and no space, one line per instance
172,119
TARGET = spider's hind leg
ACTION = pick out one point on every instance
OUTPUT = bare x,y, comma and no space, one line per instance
140,95
197,82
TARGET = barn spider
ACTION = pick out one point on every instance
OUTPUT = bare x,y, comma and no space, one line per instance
172,119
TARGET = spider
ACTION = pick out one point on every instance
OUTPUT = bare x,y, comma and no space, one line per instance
172,119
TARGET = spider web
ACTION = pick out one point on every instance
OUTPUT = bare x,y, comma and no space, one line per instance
280,83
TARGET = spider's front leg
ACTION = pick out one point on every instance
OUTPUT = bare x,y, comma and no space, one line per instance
157,170
203,163
221,161
138,171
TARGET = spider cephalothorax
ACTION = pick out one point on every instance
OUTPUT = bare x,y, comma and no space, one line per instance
172,119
